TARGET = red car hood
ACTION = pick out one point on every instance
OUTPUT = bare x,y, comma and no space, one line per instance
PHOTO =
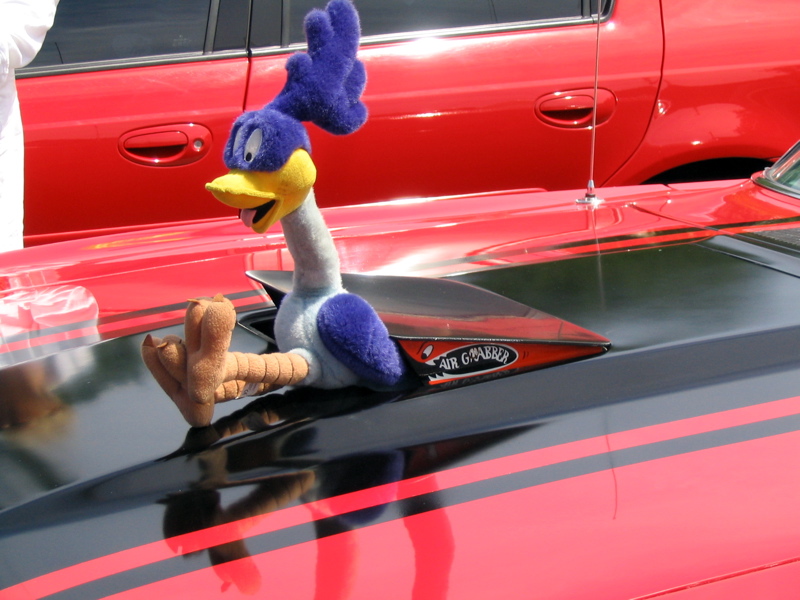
86,290
649,471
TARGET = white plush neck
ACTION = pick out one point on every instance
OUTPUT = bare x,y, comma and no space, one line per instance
316,269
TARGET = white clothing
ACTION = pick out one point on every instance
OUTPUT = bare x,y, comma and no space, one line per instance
23,25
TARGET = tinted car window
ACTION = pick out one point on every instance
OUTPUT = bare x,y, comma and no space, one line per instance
509,11
266,28
231,30
92,30
397,16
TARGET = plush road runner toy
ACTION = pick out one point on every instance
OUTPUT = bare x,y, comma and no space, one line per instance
327,337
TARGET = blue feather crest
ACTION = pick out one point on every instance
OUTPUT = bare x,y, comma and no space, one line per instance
323,86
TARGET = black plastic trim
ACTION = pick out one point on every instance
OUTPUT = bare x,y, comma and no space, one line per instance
130,63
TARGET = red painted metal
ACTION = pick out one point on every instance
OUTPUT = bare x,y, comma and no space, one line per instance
448,115
166,145
451,115
628,548
79,174
713,106
428,237
623,516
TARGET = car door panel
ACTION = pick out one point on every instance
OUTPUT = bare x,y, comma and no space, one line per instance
120,158
462,111
733,95
451,115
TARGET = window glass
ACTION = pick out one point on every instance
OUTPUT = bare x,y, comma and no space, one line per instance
511,11
90,30
232,25
265,29
397,16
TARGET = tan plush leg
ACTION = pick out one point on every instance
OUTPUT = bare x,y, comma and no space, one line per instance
199,372
252,374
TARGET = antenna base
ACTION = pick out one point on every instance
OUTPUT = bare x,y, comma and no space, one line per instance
590,197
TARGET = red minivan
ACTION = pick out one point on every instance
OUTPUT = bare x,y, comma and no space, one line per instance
128,105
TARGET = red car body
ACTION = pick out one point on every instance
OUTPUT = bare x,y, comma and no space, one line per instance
675,475
425,237
687,90
665,468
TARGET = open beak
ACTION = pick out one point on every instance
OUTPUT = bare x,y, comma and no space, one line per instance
265,197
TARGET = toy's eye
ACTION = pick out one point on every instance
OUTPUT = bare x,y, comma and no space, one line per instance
252,145
239,139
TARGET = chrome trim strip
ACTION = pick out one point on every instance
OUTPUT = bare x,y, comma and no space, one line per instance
408,36
476,30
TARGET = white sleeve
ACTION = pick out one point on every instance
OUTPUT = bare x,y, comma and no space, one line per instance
23,25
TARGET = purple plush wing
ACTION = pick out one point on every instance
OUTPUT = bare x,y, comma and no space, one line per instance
355,335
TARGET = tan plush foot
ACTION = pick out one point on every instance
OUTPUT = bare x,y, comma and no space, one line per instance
166,360
208,328
191,371
199,372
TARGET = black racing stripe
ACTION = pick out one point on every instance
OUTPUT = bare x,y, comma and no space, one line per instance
722,226
38,333
170,307
461,260
590,251
120,317
487,256
41,350
766,222
469,492
593,244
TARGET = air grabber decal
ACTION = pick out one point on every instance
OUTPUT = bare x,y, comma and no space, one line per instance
453,333
467,360
453,362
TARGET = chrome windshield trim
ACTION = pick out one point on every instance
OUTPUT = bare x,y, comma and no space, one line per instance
768,177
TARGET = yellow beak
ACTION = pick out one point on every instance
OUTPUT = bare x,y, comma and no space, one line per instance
272,195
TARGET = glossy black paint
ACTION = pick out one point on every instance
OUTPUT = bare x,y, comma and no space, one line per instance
694,331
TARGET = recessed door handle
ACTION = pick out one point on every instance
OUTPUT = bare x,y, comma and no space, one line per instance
573,108
166,145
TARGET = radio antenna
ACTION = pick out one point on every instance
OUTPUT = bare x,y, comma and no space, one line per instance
590,196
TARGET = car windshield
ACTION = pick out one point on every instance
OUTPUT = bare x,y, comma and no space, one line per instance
786,172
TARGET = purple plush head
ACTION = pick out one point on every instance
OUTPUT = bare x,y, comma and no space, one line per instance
263,140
